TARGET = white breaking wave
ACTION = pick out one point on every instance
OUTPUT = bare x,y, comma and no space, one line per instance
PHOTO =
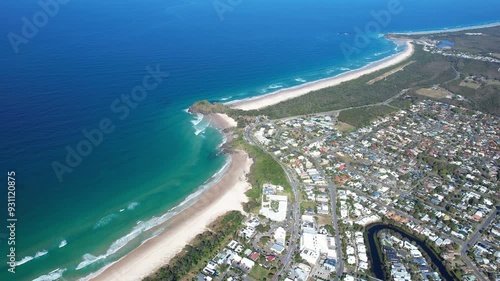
210,182
41,253
142,227
381,53
331,70
223,99
63,243
199,124
24,260
97,273
275,86
104,221
224,140
200,129
199,118
336,69
89,259
301,80
53,275
132,206
30,258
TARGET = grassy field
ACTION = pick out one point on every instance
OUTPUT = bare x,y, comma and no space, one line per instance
304,205
344,127
264,170
472,85
438,93
389,73
260,273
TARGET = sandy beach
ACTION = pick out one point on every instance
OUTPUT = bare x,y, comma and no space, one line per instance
227,195
285,94
450,30
222,121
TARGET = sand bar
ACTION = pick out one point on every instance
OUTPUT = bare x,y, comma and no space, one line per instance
297,91
226,195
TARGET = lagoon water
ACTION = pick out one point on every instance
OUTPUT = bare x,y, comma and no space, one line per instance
72,74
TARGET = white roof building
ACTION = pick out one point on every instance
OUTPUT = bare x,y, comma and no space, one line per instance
247,263
280,236
309,255
315,242
277,214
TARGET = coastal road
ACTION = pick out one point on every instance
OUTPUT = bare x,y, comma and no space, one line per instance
337,111
295,213
247,133
295,225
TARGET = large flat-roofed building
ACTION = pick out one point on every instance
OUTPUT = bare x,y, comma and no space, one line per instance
274,207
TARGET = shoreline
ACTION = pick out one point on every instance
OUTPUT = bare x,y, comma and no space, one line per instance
262,101
229,192
226,195
281,95
456,29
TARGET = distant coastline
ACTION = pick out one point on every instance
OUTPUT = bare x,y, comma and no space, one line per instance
260,102
456,29
156,252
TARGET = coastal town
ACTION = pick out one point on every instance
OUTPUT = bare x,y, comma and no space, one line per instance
409,195
428,170
396,179
233,140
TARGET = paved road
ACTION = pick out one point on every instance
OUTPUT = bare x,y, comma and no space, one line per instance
295,212
473,240
333,200
336,112
295,225
465,246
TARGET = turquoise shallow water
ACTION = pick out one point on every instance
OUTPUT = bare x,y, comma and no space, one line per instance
66,78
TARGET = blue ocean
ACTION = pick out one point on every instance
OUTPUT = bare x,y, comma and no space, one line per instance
94,93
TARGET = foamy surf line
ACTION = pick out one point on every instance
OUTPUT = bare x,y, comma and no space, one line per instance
30,258
281,95
63,243
51,276
200,124
142,227
444,30
227,195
